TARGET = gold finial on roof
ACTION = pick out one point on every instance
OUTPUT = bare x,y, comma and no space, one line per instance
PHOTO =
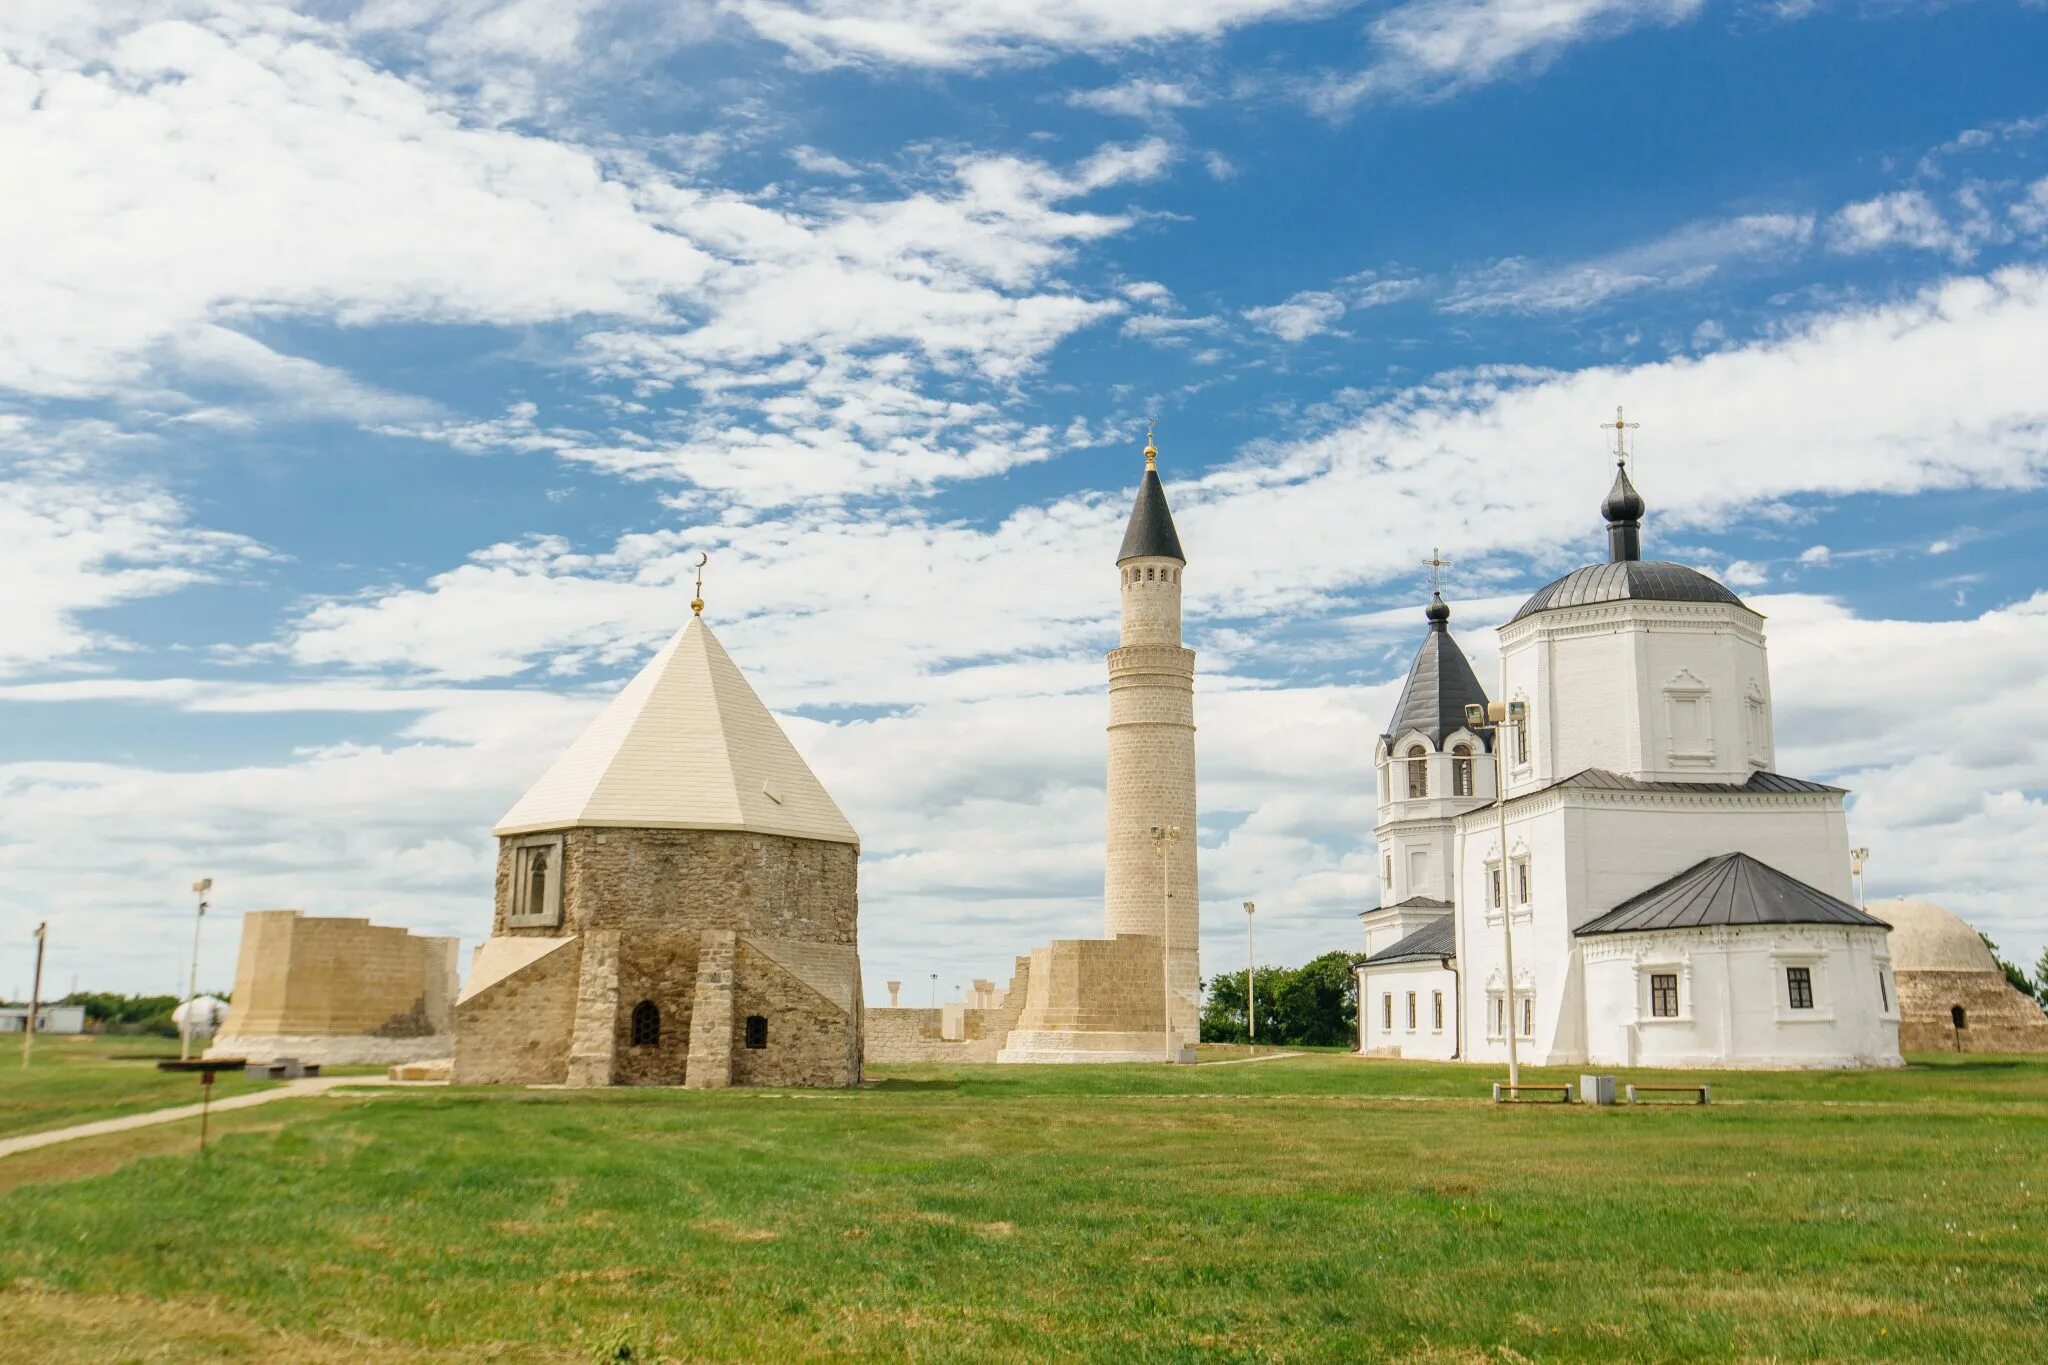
1151,450
697,602
1620,428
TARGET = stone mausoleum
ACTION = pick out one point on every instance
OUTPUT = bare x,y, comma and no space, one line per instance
676,902
338,991
1952,996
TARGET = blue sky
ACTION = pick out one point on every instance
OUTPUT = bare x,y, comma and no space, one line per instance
372,373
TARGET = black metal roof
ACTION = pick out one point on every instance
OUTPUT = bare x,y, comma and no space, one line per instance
1647,580
1432,942
1599,779
1731,889
1414,903
1150,533
1440,684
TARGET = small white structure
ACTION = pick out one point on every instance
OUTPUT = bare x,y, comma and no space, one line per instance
49,1019
1673,900
200,1017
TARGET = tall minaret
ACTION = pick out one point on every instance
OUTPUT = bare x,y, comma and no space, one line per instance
1152,749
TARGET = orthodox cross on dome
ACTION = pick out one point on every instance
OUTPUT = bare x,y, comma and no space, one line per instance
1436,564
1151,450
1620,427
697,602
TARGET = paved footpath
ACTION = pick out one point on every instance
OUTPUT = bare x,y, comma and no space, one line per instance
290,1090
1221,1061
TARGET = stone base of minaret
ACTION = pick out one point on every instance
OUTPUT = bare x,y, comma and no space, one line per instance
1097,1000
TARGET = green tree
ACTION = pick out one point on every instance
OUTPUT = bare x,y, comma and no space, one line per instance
1317,1005
2014,977
1223,1018
2041,979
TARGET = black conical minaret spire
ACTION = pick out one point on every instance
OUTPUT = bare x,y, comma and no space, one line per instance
1150,534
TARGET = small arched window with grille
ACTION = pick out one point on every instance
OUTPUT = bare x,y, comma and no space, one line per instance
757,1031
1461,769
646,1025
1418,772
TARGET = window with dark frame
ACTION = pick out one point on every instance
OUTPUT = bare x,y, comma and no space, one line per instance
1528,1017
1411,1011
1461,770
757,1031
1522,744
646,1024
1437,1011
1664,995
1799,986
1418,772
1387,1010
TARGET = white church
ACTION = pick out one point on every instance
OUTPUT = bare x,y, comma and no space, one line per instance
1673,900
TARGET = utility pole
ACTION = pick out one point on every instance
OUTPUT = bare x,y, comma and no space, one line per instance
35,994
1251,987
1500,717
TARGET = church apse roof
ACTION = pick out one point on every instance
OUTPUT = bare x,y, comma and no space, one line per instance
686,745
1433,941
1732,889
1440,685
1644,580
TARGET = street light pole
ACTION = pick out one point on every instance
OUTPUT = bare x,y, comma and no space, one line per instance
1857,857
199,889
1251,984
1165,838
1500,717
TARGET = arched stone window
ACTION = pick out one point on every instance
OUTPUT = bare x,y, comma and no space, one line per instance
1461,769
1418,772
757,1031
537,878
646,1024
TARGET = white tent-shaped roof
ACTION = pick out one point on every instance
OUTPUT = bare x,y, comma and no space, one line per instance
686,745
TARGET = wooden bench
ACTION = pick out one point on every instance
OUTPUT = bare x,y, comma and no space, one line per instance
1700,1094
1548,1094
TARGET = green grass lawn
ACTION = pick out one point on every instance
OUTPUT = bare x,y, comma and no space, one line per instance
79,1079
1313,1208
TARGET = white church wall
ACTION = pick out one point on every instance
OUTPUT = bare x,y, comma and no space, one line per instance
1734,998
1385,1028
1637,842
1662,691
1545,984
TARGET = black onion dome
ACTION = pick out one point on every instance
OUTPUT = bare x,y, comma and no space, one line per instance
1643,580
1622,503
1150,534
1438,612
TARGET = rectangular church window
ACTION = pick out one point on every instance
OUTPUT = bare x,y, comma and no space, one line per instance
1387,1011
1493,883
1522,881
1411,1011
1437,1011
1884,998
1528,1017
1799,983
1664,995
757,1031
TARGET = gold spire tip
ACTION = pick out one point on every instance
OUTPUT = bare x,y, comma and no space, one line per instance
697,602
1151,450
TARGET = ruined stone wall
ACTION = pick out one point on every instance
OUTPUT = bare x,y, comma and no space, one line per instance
308,976
917,1035
1095,985
1997,1018
517,1031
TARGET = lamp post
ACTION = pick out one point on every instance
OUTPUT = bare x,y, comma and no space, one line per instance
1164,838
1500,717
1251,1013
199,889
935,990
1857,857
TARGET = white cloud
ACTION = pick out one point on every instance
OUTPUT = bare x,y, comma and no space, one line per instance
1741,573
78,536
2030,215
1430,47
1905,218
1300,316
1680,259
958,33
1816,555
1146,99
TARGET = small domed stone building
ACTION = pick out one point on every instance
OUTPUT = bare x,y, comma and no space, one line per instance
677,902
1952,996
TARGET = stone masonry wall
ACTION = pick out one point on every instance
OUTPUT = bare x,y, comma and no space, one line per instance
810,1039
643,901
517,1031
1997,1018
309,976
